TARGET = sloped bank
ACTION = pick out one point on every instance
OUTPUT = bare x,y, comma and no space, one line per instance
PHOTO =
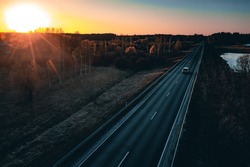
217,127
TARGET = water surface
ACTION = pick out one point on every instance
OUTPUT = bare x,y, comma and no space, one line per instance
231,59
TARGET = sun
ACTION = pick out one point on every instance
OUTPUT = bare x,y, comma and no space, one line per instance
25,18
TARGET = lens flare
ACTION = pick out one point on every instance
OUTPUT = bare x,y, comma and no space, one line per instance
24,18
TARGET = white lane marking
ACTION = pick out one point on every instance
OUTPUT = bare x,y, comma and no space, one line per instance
123,159
176,81
153,116
110,134
168,94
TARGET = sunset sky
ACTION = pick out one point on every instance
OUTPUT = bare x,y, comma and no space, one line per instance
140,16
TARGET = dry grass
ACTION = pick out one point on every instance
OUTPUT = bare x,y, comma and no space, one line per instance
41,133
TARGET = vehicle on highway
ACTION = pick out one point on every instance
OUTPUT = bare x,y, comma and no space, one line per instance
185,70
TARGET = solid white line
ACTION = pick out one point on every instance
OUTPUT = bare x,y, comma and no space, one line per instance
115,128
123,159
153,116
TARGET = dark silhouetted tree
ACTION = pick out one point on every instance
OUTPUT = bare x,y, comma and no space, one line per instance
244,63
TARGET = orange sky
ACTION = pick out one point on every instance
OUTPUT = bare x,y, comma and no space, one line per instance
141,16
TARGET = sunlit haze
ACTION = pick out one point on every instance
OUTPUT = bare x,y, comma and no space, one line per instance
24,18
129,16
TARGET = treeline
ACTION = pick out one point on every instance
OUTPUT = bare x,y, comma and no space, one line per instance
49,30
79,50
108,46
37,60
226,38
218,123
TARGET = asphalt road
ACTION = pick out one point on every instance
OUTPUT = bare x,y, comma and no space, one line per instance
139,138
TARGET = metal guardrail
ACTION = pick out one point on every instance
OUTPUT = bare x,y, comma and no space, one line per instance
170,148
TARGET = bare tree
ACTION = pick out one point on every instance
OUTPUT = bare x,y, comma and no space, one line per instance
178,45
244,63
146,43
158,42
77,56
130,50
92,51
88,49
152,50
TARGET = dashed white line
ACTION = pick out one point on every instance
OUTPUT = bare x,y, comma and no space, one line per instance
168,94
123,159
153,116
176,81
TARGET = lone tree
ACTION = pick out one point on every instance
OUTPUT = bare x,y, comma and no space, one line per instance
131,50
178,45
153,50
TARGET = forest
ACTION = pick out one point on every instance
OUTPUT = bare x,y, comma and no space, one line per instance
227,38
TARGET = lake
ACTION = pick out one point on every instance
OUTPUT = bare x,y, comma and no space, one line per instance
231,59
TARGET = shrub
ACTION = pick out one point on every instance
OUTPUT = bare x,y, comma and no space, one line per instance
132,62
103,60
142,63
121,62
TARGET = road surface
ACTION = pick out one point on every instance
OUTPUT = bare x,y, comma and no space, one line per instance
138,139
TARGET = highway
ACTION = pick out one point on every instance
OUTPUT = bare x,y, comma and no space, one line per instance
138,139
